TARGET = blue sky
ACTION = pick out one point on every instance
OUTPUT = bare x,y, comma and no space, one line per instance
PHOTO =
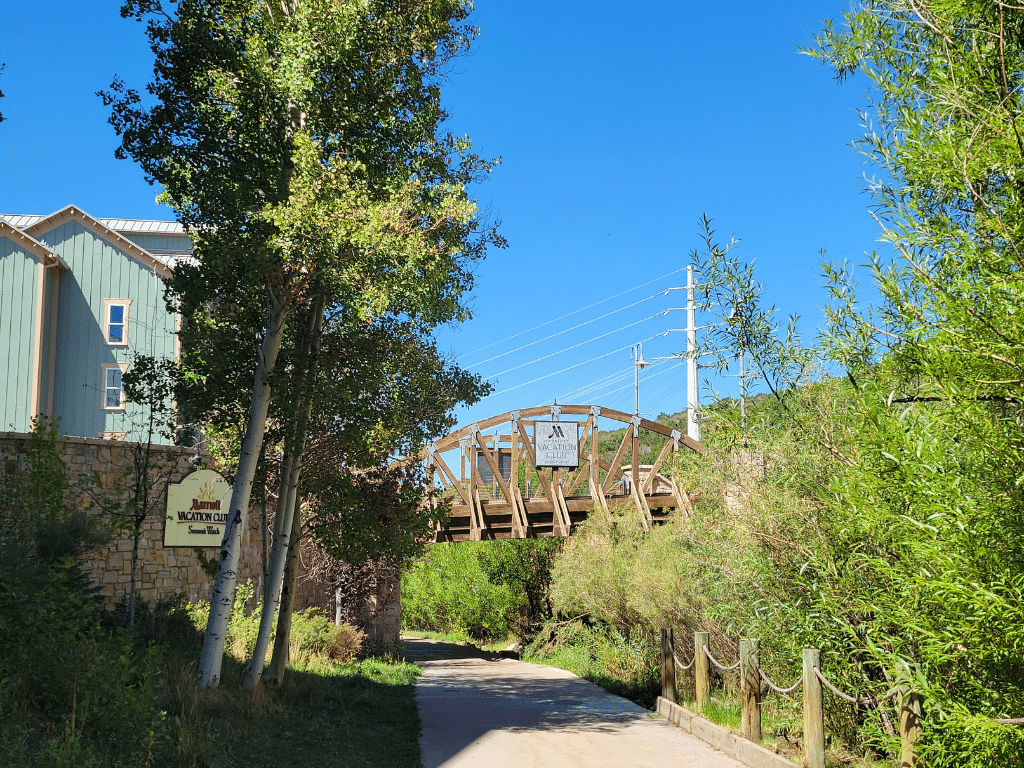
618,128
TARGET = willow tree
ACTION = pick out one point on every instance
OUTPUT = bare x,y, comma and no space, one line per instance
301,145
933,568
357,503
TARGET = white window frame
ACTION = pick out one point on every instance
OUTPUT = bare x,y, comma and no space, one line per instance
108,305
103,386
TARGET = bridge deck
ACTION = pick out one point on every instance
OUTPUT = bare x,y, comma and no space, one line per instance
540,514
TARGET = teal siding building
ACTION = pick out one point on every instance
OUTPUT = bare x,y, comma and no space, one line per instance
79,298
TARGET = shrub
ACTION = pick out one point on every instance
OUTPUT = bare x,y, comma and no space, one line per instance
484,589
72,691
77,693
314,633
624,664
449,591
243,626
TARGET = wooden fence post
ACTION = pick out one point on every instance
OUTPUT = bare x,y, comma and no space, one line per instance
750,688
814,719
910,724
668,666
701,670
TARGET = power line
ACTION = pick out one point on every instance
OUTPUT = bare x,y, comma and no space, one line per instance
612,378
588,322
574,346
571,367
608,381
631,384
574,312
660,396
580,395
663,393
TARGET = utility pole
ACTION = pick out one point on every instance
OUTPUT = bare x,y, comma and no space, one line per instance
692,381
738,317
743,393
692,392
638,363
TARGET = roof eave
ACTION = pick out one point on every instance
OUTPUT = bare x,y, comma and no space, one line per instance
29,243
72,212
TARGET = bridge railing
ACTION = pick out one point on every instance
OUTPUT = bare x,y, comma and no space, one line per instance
529,489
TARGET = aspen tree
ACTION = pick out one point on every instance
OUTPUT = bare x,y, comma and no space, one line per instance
300,144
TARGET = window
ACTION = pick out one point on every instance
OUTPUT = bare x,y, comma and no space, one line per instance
116,321
113,387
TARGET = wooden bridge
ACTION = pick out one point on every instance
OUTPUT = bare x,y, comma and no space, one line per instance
524,481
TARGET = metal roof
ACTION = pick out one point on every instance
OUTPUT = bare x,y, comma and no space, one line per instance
142,226
20,221
169,257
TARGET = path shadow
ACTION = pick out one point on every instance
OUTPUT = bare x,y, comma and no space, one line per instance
466,694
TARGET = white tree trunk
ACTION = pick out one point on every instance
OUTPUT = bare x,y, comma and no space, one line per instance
275,574
223,596
282,638
289,495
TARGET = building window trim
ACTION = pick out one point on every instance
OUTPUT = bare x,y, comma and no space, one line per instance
116,385
111,309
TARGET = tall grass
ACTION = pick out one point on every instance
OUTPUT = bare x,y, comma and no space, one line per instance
621,664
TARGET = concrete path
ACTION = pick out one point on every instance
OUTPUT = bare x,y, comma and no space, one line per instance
482,712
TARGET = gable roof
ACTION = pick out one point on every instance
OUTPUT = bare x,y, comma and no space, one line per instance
30,244
98,228
140,226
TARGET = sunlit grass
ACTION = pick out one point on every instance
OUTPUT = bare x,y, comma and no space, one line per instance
327,713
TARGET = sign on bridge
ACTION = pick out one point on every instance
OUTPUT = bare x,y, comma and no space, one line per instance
558,444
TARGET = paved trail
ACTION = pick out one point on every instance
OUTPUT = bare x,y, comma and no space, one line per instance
479,712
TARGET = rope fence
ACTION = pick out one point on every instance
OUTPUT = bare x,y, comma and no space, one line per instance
682,667
864,702
715,662
776,688
909,702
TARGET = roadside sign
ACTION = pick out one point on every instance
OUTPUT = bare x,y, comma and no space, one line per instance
197,509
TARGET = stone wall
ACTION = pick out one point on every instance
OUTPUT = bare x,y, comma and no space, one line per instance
381,617
100,470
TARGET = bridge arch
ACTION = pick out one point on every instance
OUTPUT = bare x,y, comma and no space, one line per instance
510,484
